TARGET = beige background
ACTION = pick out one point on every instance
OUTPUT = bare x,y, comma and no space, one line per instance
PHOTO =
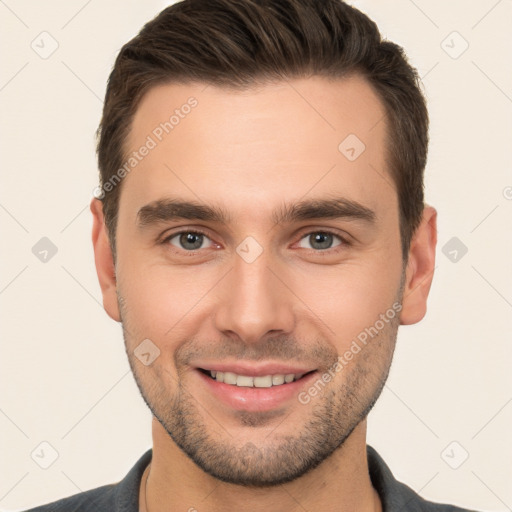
65,379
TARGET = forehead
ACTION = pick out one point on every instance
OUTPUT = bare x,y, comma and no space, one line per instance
250,147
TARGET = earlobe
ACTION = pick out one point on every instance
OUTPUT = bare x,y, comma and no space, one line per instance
420,269
104,261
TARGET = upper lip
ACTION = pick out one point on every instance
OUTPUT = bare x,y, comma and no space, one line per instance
254,370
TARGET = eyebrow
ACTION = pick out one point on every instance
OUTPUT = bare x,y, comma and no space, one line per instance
171,209
175,209
335,208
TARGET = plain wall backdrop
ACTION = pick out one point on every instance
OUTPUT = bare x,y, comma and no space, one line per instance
444,419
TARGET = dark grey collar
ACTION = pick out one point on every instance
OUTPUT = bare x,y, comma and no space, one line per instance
395,496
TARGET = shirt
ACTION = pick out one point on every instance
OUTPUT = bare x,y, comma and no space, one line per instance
124,495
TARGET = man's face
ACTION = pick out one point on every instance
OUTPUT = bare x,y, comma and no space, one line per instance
247,290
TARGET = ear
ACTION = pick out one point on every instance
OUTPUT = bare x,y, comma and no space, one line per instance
420,269
104,261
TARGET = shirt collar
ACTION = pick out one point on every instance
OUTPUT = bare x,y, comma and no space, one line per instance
394,495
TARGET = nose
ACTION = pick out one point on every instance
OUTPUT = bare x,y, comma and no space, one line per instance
254,302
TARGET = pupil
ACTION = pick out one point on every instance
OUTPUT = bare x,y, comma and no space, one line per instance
323,240
191,238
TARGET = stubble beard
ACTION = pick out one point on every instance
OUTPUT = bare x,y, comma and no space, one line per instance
281,457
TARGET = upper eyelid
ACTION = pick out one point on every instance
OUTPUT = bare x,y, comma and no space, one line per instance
331,231
166,236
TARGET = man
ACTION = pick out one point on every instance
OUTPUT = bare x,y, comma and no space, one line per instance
260,231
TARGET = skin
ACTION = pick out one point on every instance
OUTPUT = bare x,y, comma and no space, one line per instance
250,152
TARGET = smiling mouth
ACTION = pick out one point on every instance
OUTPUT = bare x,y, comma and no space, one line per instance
265,381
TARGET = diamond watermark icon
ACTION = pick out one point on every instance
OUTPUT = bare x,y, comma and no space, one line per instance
249,249
455,455
44,455
44,250
146,352
454,249
454,45
45,45
351,147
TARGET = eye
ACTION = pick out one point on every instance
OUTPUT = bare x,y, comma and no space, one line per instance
320,240
189,240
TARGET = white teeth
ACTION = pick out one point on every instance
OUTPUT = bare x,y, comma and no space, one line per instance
229,378
242,380
266,381
277,379
263,382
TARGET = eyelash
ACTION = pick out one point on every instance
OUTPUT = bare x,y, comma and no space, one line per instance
344,242
166,240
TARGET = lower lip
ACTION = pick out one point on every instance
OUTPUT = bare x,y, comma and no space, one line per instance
255,399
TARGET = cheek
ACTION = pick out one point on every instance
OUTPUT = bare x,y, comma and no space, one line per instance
160,297
350,297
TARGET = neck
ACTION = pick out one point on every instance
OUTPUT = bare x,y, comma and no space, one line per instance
340,483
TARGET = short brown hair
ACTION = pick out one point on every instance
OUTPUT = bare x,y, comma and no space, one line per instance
239,43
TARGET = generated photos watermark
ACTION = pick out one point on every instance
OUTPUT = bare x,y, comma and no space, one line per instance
152,140
356,346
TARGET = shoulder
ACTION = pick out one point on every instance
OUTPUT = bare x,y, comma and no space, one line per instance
119,497
101,498
411,501
396,496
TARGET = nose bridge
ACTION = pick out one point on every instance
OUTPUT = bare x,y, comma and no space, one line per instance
254,301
